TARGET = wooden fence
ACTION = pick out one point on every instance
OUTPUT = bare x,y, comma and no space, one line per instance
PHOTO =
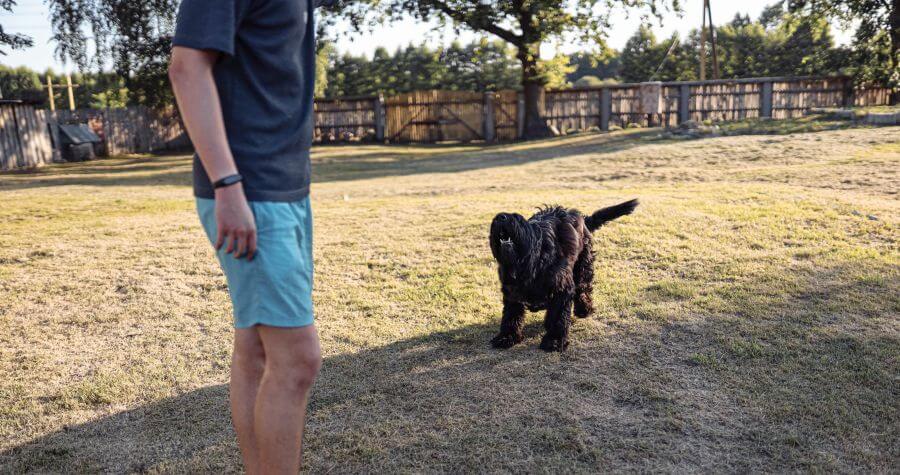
434,116
26,135
348,119
129,130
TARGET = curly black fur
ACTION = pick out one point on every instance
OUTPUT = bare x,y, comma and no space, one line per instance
547,263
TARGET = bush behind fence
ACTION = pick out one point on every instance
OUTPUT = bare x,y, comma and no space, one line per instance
27,136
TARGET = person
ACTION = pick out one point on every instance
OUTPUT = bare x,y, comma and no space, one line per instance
243,75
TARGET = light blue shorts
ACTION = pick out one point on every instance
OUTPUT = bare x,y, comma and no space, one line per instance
275,288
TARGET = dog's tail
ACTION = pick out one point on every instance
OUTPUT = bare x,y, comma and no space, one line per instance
605,215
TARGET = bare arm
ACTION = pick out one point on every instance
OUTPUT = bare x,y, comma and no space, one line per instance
191,74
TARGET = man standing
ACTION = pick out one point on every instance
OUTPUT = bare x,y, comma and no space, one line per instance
243,72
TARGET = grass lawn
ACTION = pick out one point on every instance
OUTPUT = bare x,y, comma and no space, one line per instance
748,313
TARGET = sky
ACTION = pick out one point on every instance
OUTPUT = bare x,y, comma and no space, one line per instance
31,17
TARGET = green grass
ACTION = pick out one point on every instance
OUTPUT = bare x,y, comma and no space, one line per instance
747,313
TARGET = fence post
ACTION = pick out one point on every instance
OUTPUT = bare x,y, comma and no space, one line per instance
765,100
379,118
849,100
684,103
605,108
489,126
520,115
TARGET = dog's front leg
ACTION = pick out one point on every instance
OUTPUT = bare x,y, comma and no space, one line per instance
510,326
557,322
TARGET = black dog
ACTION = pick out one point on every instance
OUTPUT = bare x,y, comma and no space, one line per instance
547,263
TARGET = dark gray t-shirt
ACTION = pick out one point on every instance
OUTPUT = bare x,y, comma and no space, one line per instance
265,79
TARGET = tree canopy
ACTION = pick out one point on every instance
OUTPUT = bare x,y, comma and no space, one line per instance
790,37
12,40
877,38
524,24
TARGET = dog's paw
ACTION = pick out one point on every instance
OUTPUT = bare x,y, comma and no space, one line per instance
551,344
583,312
505,340
584,307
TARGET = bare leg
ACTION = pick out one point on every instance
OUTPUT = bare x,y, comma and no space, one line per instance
292,363
247,364
511,325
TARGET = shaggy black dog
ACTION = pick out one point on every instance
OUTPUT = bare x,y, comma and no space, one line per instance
547,263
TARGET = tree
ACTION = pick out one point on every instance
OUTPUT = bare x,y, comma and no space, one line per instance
640,56
12,40
600,65
879,29
772,15
524,24
742,47
135,35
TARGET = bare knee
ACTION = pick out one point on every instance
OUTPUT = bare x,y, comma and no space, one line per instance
293,358
248,358
296,374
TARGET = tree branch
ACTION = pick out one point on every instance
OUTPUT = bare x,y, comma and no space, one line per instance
484,25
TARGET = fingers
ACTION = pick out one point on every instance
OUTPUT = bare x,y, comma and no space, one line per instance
241,244
232,237
220,237
251,245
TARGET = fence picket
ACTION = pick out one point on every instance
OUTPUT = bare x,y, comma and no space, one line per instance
432,116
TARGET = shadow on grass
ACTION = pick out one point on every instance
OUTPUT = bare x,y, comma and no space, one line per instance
792,385
331,164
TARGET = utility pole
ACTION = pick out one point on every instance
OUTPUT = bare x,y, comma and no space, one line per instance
707,13
712,37
72,94
69,86
50,92
703,44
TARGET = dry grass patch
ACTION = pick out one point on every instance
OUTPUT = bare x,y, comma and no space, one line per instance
747,312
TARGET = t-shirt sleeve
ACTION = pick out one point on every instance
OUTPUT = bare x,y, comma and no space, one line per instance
209,24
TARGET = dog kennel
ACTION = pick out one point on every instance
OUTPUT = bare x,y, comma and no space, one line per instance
78,142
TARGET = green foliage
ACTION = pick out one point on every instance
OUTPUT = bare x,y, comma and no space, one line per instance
604,64
14,81
593,81
324,52
110,99
479,66
524,24
134,36
877,40
778,44
12,40
870,55
641,56
98,90
554,71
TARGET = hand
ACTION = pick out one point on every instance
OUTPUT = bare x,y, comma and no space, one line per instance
235,222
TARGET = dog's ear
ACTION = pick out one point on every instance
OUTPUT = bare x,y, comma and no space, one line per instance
496,225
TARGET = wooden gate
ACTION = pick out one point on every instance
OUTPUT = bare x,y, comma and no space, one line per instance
506,115
435,116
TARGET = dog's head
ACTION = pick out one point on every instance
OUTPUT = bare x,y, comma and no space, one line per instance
509,238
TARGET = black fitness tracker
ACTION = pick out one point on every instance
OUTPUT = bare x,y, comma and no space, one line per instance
228,181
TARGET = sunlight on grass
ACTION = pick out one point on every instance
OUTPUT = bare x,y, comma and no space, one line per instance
746,313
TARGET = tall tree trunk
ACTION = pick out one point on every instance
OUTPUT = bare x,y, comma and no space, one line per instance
895,51
533,89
